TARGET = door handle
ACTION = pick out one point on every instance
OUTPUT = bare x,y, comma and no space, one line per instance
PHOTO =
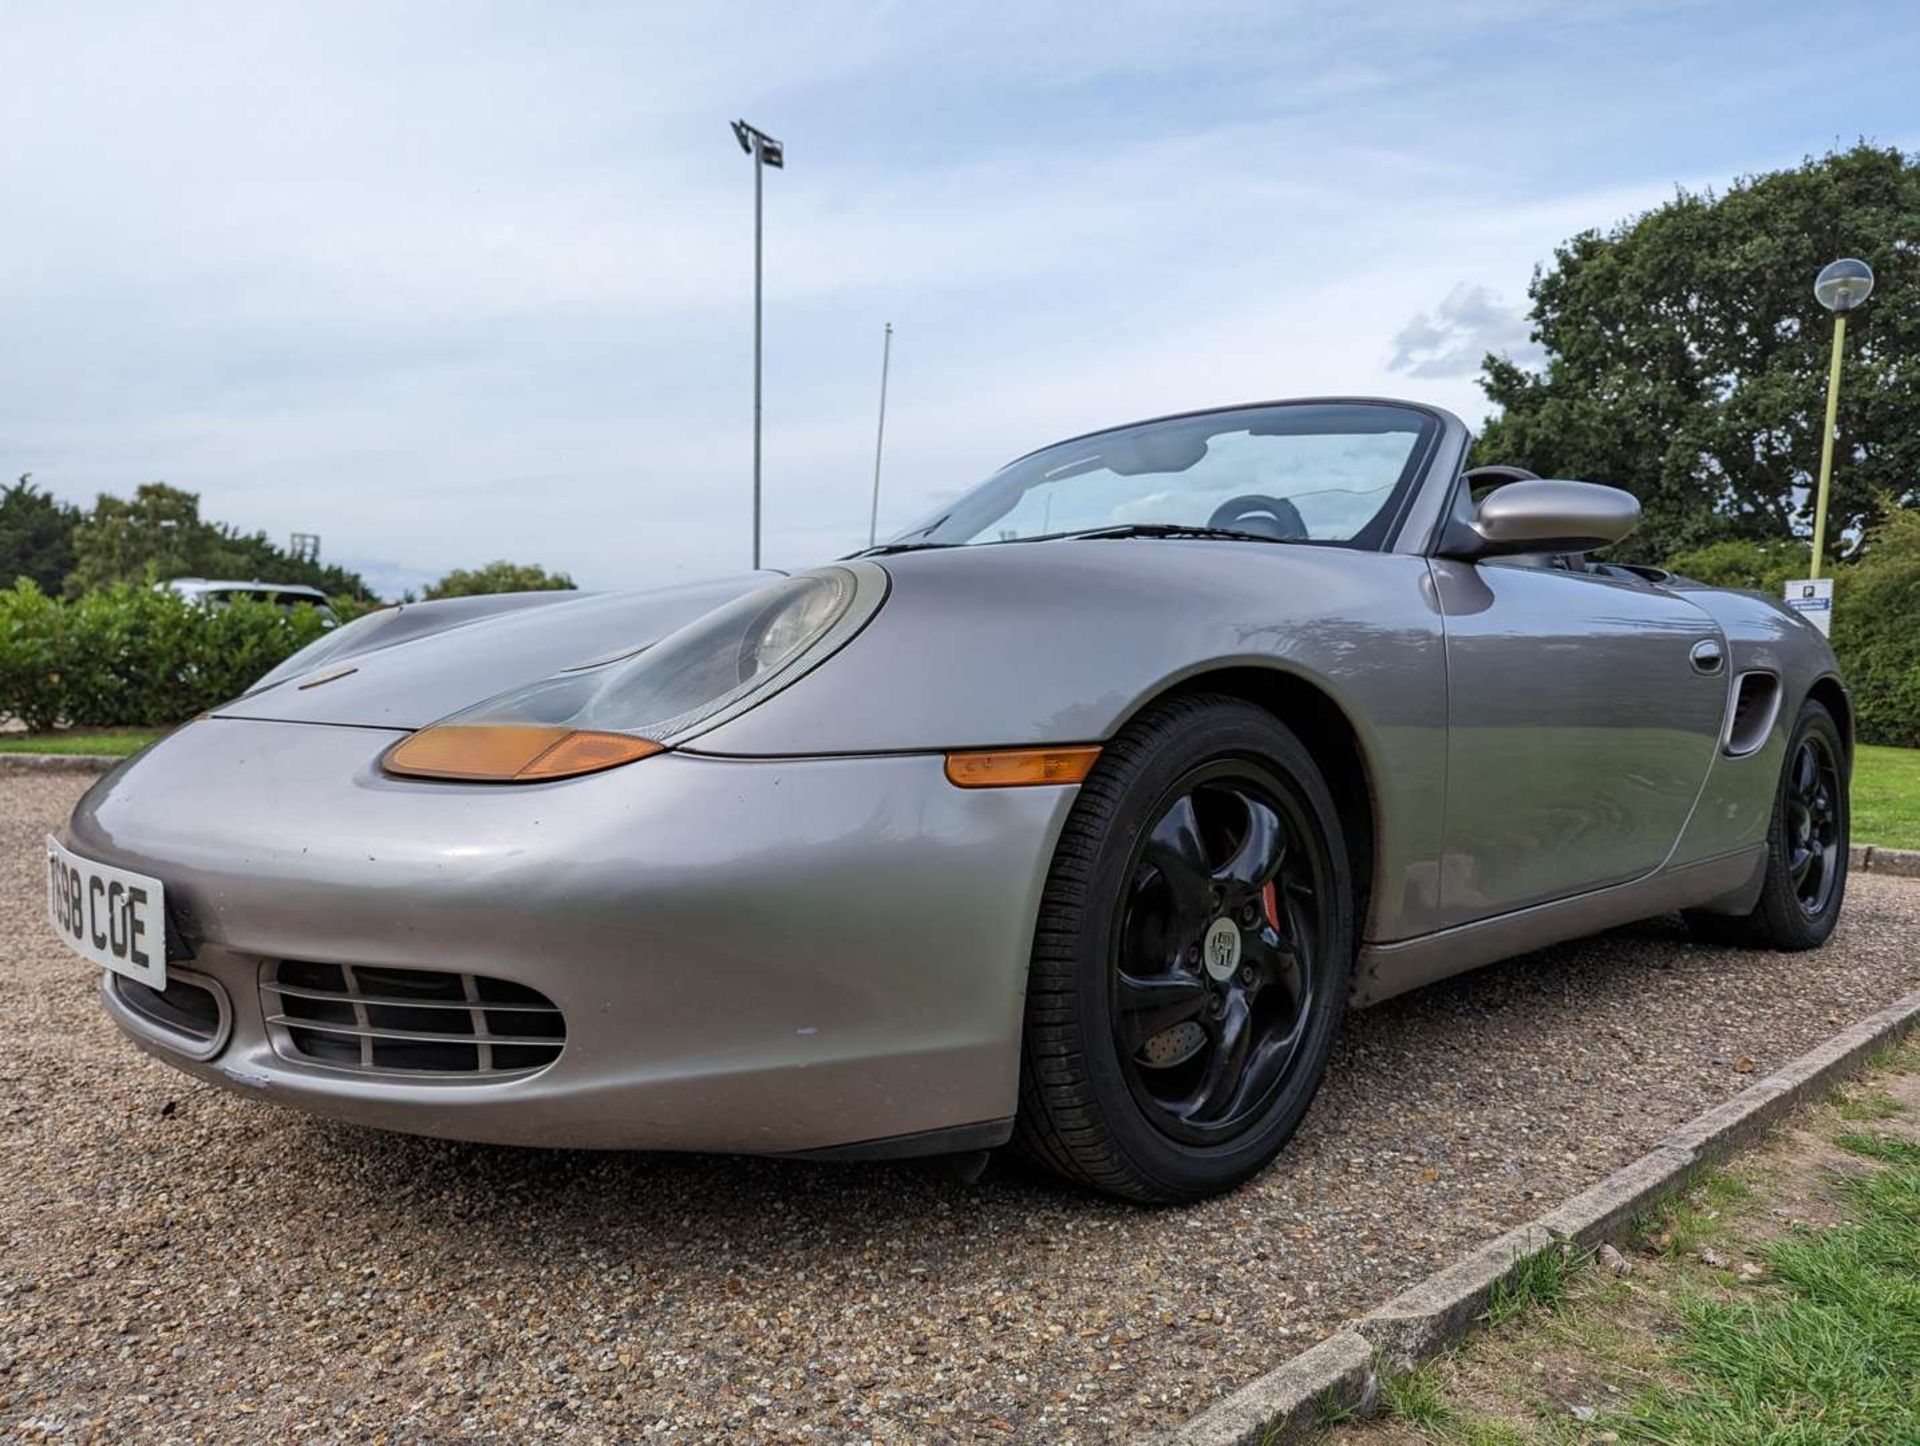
1707,657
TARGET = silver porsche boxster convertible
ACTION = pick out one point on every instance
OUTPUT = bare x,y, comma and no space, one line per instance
1072,817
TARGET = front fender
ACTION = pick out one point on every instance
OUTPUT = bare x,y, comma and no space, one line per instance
1063,642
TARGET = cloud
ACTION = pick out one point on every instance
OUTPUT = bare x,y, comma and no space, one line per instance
1454,337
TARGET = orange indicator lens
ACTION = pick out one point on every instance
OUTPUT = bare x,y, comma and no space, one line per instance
511,752
584,752
1019,767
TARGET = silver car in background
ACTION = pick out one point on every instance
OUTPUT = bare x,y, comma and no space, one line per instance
1073,817
218,592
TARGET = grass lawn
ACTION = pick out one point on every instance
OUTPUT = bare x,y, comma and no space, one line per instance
1886,797
93,742
1777,1301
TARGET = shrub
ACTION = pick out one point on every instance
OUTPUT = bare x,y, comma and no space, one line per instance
346,607
1759,566
135,657
33,656
1876,632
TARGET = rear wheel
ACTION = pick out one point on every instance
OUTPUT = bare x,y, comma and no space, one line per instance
1806,879
1192,957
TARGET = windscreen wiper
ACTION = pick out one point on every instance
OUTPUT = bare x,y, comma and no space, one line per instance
1173,529
1123,529
888,549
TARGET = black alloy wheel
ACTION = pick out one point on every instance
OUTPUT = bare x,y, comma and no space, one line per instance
1215,951
1192,956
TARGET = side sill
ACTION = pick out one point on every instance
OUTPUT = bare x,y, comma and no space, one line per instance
1384,970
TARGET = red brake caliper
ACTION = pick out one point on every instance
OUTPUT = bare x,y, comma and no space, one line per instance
1271,899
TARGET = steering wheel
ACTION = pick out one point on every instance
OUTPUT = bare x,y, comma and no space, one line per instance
1274,517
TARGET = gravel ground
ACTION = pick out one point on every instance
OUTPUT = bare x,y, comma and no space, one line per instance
181,1264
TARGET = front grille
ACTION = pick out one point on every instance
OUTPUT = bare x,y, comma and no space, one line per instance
410,1021
190,1014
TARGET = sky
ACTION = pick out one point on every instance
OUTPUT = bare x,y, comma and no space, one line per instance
451,282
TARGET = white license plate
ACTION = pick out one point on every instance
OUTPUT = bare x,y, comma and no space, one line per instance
116,919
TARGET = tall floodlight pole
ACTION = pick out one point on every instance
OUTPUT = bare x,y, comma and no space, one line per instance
880,435
766,151
1841,287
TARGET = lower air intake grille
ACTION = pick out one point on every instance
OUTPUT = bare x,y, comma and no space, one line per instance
410,1021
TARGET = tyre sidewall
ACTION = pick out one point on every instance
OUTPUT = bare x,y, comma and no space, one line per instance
1238,732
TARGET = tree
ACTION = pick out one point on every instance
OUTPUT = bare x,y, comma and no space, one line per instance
159,534
156,535
36,535
500,576
1686,359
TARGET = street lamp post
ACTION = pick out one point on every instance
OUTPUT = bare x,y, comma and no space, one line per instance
766,151
880,434
1841,286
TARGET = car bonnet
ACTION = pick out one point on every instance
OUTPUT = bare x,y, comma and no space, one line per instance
421,681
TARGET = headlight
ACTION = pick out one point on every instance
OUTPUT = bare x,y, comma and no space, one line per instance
713,669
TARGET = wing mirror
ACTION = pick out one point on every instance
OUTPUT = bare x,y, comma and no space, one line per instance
1541,515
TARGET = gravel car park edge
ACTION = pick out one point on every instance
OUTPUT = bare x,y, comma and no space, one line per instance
1340,1373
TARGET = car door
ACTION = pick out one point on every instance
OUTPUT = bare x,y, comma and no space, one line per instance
1583,714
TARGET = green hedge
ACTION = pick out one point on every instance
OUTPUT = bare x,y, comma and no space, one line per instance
1757,566
1876,616
1876,632
133,656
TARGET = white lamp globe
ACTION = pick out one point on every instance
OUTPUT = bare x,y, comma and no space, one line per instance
1842,285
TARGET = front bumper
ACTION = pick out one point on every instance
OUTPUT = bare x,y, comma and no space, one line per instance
767,956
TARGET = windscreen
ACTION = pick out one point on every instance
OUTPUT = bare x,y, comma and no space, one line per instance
1315,472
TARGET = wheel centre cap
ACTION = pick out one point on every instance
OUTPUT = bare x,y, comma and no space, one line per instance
1221,949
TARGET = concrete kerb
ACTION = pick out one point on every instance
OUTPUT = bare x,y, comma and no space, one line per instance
1417,1323
1872,859
1848,1051
1341,1373
1605,1212
55,763
1726,1128
1291,1401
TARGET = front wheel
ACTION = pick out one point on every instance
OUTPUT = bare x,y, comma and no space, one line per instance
1192,957
1806,879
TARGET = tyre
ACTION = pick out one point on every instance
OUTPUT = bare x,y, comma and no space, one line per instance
1806,879
1191,960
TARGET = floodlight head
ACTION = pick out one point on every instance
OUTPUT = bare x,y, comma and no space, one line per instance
1843,285
758,144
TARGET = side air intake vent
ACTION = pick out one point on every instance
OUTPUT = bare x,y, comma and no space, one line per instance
1756,699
